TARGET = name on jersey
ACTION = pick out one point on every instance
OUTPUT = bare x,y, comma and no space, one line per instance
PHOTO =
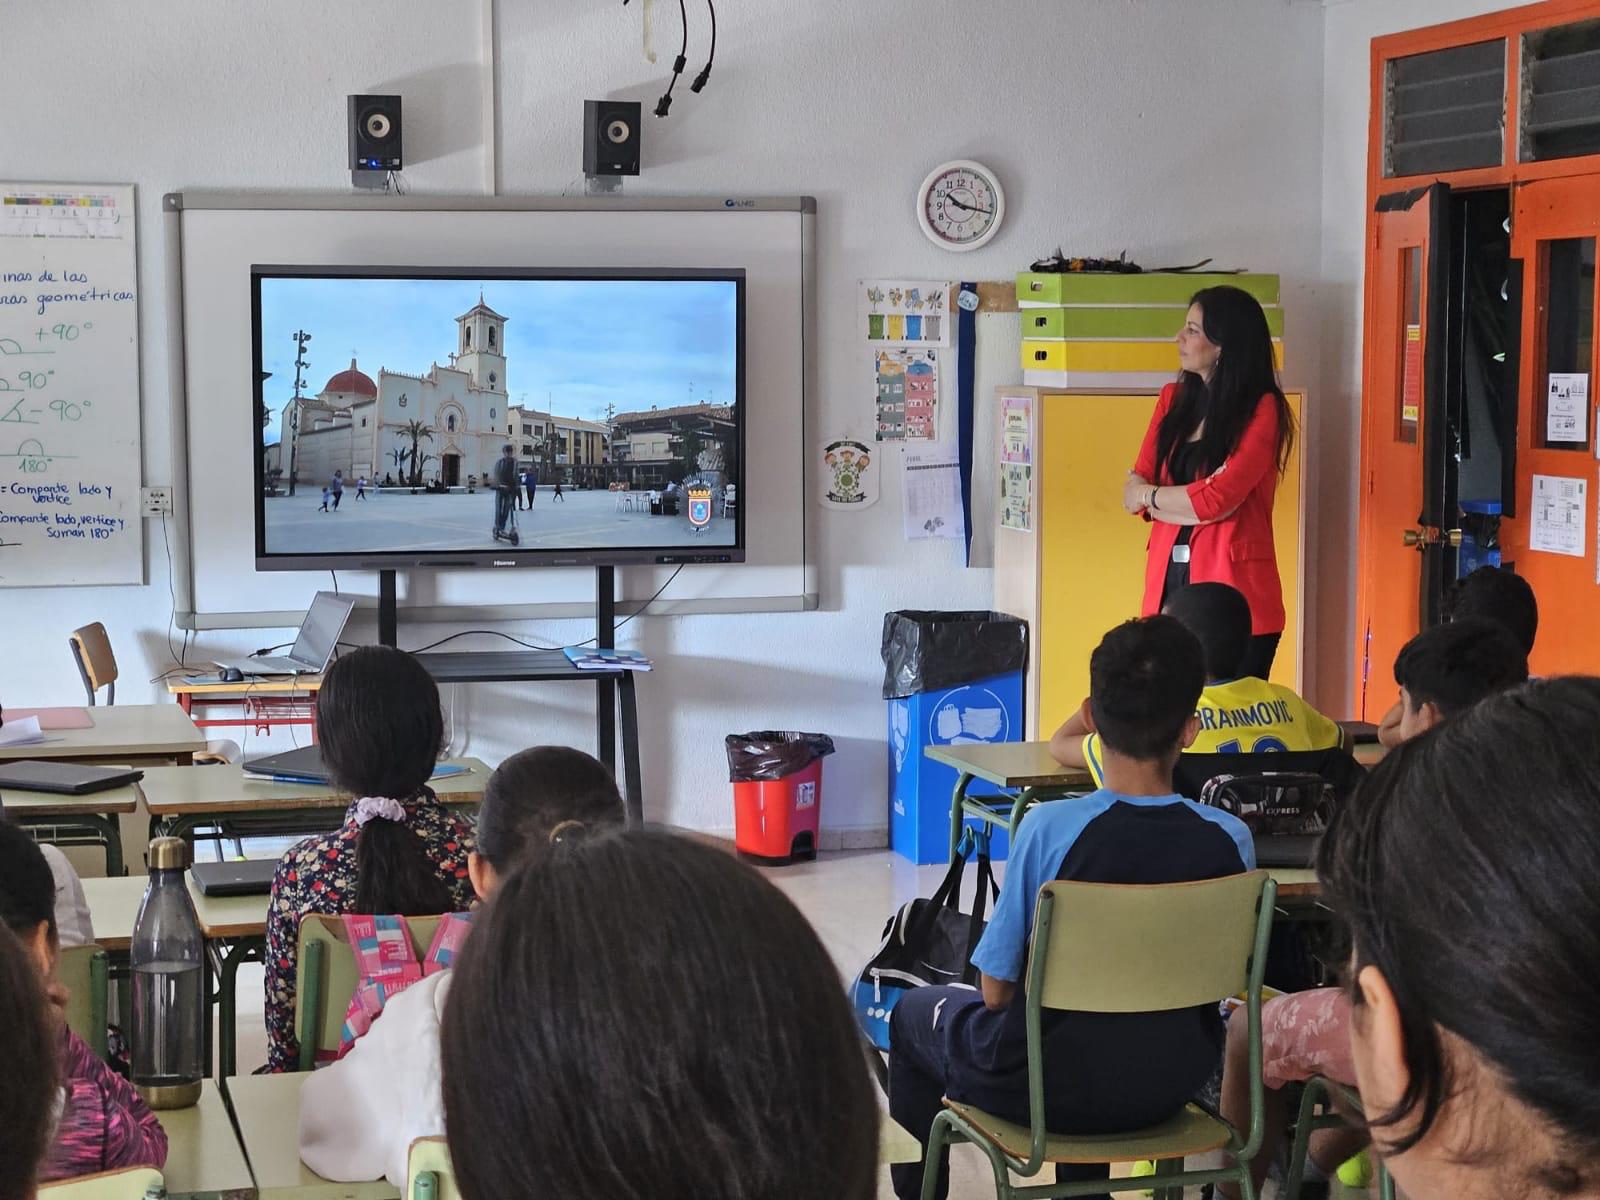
1267,712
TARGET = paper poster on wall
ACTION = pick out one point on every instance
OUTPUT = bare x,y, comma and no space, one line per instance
904,312
1558,523
932,486
907,383
1016,462
69,386
1567,409
849,475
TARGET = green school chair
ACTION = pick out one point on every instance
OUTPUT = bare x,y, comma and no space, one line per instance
326,978
84,970
1129,949
1321,1092
131,1183
429,1175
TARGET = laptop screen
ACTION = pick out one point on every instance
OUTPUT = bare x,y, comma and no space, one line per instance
324,623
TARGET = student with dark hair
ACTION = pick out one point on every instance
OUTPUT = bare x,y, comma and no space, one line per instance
398,851
1208,469
641,1016
27,1102
1475,934
1239,713
104,1124
1492,594
359,1116
1442,673
1144,680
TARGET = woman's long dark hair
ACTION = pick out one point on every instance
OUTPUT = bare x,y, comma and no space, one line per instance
641,1016
1245,372
28,1044
381,729
1464,868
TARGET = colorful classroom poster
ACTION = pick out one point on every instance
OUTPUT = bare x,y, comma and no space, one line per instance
904,312
907,394
1016,461
1559,519
849,475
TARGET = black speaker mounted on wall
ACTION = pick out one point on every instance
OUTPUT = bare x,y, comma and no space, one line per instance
375,133
611,137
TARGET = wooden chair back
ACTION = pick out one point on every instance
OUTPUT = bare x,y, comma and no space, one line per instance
130,1183
91,650
84,971
429,1174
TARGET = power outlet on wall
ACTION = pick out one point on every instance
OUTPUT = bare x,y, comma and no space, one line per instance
155,501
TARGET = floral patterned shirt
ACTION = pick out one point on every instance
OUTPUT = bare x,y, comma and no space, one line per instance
318,875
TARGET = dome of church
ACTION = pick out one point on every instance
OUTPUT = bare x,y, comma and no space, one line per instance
351,383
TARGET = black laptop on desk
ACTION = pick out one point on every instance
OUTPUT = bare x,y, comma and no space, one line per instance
64,778
242,877
303,765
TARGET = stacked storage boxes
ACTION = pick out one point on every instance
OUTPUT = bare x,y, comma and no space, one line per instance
1099,331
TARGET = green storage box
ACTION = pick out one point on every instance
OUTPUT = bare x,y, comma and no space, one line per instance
1051,289
1105,322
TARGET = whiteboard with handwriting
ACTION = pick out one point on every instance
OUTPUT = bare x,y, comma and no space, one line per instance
69,386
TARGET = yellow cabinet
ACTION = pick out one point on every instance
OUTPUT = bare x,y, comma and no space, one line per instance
1079,570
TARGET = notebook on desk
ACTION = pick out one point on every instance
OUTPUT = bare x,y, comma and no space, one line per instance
65,778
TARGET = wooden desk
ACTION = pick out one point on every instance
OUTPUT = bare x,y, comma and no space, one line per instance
1025,767
203,1154
266,1109
235,929
125,734
1296,883
84,820
181,799
264,700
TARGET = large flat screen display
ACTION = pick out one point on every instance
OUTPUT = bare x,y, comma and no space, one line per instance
411,417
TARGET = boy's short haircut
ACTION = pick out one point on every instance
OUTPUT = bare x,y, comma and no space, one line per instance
1219,616
1498,595
1145,678
1456,665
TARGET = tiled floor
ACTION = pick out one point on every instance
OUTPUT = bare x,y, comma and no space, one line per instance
847,896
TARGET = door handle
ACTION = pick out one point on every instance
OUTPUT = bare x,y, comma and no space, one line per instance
1428,535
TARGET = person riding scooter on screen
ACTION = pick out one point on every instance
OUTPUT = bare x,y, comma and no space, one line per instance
505,488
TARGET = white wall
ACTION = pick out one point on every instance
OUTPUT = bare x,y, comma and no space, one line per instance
1349,27
1175,131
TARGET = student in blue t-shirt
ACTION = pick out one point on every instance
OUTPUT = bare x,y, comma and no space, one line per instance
1104,1072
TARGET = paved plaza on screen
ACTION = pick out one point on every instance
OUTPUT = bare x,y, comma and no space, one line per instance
397,520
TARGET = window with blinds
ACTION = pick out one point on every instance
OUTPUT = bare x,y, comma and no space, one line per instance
1560,99
1445,110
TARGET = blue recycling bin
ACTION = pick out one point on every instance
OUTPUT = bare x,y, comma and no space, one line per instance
950,678
985,710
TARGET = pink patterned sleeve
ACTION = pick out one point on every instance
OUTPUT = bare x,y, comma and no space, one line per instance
105,1124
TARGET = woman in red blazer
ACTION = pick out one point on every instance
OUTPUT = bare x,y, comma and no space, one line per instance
1209,466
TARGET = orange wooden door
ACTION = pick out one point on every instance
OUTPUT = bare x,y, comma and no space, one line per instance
1555,226
1402,431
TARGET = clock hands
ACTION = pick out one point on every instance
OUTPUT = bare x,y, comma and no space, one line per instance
970,207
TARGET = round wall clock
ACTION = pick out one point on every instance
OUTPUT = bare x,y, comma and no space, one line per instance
960,205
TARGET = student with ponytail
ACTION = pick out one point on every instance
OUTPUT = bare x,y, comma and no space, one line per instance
399,850
359,1115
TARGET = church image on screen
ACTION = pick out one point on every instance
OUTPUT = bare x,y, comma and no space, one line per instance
635,444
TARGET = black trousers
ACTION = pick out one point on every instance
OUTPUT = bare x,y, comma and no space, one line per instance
1258,658
919,1069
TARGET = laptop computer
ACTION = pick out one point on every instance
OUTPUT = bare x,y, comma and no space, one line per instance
304,765
245,877
65,778
313,646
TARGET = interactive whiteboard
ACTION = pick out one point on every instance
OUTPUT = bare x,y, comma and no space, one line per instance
213,240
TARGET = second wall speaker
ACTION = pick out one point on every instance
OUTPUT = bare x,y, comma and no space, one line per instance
611,137
375,133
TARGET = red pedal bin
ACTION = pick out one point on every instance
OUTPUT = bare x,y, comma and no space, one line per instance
777,793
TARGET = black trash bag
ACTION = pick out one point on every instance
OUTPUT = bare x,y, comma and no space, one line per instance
928,651
770,754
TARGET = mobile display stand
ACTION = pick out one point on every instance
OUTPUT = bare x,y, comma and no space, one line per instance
614,689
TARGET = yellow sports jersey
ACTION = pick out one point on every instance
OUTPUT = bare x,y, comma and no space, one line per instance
1245,716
